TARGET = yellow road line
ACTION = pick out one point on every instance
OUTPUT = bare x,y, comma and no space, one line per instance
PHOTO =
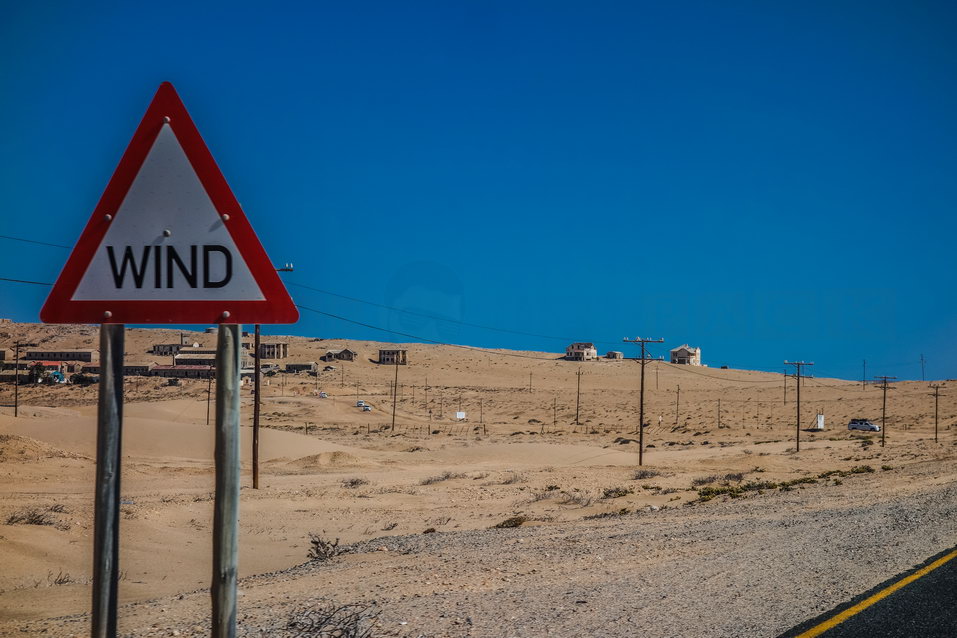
867,602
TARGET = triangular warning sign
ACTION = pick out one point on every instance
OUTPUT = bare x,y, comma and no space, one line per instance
168,242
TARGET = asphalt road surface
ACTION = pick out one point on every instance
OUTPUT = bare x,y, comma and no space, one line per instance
926,606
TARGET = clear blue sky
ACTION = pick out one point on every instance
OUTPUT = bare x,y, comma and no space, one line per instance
768,181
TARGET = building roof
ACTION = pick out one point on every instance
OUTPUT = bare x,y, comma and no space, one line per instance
182,367
685,347
582,344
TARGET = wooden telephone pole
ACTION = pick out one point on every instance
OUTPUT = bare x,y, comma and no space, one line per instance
641,394
578,396
797,423
936,396
884,380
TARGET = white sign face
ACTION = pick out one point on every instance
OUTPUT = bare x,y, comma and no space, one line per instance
460,416
167,242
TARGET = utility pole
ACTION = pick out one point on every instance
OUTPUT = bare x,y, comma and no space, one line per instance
797,423
864,375
427,395
656,377
719,414
257,390
209,392
529,382
578,396
16,375
554,413
922,362
677,399
641,396
785,386
342,378
936,396
395,391
884,380
357,392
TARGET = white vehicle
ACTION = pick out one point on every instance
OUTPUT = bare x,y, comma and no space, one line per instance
863,424
360,404
323,395
367,408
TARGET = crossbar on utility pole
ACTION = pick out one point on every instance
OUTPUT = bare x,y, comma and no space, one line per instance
797,423
641,395
884,380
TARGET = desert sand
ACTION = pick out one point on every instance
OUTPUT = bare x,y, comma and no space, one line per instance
718,534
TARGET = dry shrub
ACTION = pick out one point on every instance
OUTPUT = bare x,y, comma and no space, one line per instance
444,476
321,549
331,619
514,521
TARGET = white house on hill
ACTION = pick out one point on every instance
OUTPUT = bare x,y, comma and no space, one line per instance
582,351
686,355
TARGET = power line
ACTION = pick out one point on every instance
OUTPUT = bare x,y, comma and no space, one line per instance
426,339
24,281
34,241
433,317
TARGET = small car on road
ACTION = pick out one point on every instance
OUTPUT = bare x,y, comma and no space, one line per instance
367,408
864,425
360,404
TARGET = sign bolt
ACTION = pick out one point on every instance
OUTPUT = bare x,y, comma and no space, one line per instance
167,232
107,314
108,217
225,217
225,314
166,118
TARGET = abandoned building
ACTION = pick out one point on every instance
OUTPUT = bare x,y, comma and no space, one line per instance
686,355
309,366
273,350
61,355
183,372
582,351
393,357
614,354
169,349
340,355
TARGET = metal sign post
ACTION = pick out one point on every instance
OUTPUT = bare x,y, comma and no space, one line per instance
226,506
106,516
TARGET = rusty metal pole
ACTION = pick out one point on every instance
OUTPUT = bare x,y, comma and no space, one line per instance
106,509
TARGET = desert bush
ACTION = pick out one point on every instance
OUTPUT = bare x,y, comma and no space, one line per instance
514,521
616,492
332,619
645,474
512,478
444,476
576,498
622,512
704,480
354,482
886,468
733,476
541,496
321,549
861,469
31,516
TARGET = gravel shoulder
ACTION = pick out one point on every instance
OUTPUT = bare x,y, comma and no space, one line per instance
752,566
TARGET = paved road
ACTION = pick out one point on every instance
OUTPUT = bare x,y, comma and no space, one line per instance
925,607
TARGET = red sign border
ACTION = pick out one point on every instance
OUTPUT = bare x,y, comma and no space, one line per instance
277,307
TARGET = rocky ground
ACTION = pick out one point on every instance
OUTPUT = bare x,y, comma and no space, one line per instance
748,566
